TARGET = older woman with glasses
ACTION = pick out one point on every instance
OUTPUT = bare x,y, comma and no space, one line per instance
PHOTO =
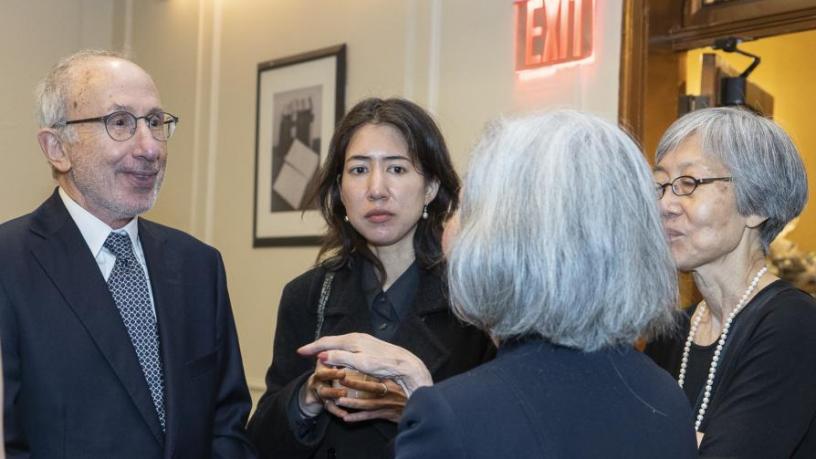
728,181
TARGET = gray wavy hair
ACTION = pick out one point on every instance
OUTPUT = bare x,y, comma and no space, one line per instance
561,235
769,177
52,91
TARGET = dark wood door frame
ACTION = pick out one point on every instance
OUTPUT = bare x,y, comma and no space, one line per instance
655,30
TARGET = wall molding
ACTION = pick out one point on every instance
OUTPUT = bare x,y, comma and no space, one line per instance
198,121
434,56
127,40
256,384
212,143
410,49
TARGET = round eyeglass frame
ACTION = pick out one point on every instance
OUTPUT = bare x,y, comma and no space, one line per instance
660,188
161,133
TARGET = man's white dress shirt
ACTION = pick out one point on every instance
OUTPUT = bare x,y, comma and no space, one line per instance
95,232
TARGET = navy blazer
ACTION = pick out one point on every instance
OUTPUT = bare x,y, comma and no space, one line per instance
73,386
540,400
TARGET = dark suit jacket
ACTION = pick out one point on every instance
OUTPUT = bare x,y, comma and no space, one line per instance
73,386
431,332
540,400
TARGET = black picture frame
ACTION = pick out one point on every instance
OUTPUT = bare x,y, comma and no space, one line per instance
300,99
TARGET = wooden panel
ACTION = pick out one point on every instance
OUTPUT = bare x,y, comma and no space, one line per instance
710,79
664,83
634,46
697,14
701,24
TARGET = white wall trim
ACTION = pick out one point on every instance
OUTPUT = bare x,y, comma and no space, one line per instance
256,384
434,55
410,48
127,40
212,148
198,121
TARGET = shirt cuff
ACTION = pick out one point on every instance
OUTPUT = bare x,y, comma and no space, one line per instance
307,429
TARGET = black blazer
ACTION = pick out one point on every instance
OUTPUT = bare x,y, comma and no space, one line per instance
73,386
540,400
431,332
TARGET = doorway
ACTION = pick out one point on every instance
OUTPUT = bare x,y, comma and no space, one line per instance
663,48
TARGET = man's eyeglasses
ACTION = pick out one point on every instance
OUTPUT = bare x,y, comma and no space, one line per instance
685,185
121,125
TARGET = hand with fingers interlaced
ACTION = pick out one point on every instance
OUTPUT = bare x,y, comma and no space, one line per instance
370,397
399,374
319,393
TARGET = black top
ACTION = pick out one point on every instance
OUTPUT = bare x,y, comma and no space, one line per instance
763,402
697,371
539,400
389,307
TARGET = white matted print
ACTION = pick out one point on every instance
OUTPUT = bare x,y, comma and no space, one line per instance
300,99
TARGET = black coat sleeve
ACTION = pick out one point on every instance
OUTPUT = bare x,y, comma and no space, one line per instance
270,427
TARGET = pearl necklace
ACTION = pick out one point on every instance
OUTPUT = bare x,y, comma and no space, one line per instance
712,370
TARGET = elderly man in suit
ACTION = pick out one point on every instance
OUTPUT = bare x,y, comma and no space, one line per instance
117,333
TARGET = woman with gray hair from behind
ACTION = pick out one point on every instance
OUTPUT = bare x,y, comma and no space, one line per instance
562,259
728,181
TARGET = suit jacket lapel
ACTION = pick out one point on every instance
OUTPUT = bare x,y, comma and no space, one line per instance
164,268
63,254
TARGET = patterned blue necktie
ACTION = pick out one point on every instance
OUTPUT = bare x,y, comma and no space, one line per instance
128,285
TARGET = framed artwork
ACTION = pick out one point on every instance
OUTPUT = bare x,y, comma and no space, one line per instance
300,99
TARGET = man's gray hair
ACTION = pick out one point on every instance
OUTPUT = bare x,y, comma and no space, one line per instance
561,235
52,91
768,175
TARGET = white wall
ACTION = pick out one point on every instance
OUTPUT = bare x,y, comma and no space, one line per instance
452,56
33,36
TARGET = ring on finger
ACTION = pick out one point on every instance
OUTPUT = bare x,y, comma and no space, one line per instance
385,390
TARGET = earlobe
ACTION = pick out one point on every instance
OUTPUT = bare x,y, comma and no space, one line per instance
753,221
52,148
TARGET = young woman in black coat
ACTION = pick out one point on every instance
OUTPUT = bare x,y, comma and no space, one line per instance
385,191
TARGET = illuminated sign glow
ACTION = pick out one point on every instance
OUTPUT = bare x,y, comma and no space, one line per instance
551,33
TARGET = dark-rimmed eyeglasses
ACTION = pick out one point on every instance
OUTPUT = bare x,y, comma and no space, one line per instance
686,184
121,125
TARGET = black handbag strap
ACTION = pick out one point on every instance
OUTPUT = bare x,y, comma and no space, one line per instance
325,291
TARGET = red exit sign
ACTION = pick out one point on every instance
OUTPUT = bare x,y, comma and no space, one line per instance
552,32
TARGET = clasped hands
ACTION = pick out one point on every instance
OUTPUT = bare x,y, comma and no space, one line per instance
394,373
352,398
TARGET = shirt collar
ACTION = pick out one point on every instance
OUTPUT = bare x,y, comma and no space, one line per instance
94,230
401,294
